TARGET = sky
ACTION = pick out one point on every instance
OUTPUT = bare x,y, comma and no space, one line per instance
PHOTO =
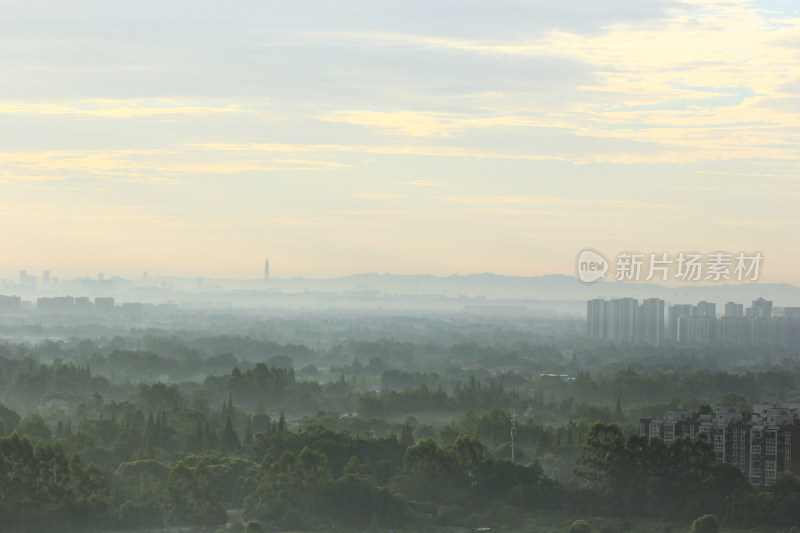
438,137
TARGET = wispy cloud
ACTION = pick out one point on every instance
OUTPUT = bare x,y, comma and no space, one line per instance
427,123
9,177
379,196
552,201
421,150
423,183
118,108
154,166
658,126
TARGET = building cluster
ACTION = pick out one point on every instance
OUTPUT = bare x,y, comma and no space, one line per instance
761,443
30,281
69,305
625,320
10,303
758,324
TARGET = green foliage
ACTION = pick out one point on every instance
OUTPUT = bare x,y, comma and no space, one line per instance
579,526
230,440
40,487
681,480
253,527
289,487
785,493
35,428
139,514
357,502
705,524
8,420
141,450
191,497
406,436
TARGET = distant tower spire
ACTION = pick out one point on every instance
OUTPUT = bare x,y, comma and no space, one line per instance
266,270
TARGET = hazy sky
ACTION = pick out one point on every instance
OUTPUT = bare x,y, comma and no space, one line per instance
339,136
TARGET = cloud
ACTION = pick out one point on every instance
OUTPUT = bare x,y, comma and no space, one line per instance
552,201
426,123
117,108
704,82
511,113
696,188
423,183
154,166
420,150
377,196
9,177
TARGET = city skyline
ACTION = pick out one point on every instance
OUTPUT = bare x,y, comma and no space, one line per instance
411,137
624,320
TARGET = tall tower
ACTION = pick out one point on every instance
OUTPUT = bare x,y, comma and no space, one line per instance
266,270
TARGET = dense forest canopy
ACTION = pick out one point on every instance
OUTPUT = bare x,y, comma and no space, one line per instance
369,431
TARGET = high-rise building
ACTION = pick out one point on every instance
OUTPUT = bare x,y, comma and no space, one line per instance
266,270
83,305
26,280
674,331
57,305
10,303
761,308
706,310
734,329
596,311
104,305
697,330
624,320
696,324
766,331
650,321
734,310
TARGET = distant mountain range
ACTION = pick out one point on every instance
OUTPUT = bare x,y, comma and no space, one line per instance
547,287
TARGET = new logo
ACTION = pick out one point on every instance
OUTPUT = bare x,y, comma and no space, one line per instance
591,266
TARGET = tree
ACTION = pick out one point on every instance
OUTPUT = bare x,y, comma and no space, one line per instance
406,436
248,436
8,420
40,488
580,526
786,491
192,497
253,527
230,440
89,486
289,487
705,524
35,428
468,452
603,463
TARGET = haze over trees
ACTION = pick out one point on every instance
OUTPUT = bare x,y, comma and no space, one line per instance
385,427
